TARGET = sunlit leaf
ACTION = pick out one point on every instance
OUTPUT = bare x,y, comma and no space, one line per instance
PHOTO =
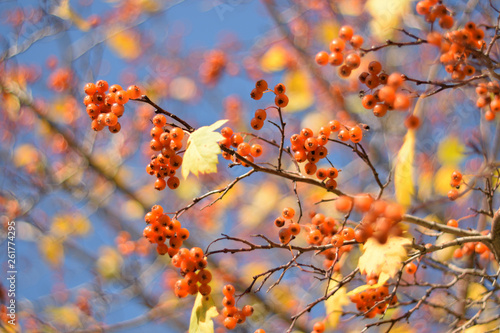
202,150
383,258
264,200
109,263
66,316
274,59
125,44
445,254
476,291
201,317
327,31
51,249
403,172
387,16
442,179
451,150
335,303
66,224
64,11
298,90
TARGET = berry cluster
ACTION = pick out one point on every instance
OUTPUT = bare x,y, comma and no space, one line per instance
433,10
489,95
367,299
281,99
126,246
213,65
190,261
387,97
103,107
338,56
456,180
232,314
474,247
293,229
160,228
244,149
167,142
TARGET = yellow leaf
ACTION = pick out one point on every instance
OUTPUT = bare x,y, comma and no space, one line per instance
382,279
447,253
66,224
202,150
298,90
109,263
476,291
451,151
274,59
383,258
125,44
334,304
65,12
25,154
386,16
327,31
403,172
66,316
51,249
201,317
133,210
265,199
442,179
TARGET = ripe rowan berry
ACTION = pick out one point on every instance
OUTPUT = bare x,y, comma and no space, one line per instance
261,114
321,58
411,268
346,32
261,85
279,89
336,59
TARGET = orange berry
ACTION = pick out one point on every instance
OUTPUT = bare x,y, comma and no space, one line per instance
134,92
321,58
261,85
452,223
346,32
411,268
279,89
343,204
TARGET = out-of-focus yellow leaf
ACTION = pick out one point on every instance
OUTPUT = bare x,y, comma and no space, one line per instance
64,11
182,88
125,44
66,225
447,253
66,316
327,31
298,90
202,150
25,154
133,210
442,179
11,106
482,328
265,199
201,317
351,7
403,172
334,304
425,187
475,291
274,59
383,258
451,151
52,250
382,279
109,263
386,16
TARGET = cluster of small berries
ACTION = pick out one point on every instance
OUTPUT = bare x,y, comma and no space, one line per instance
244,149
337,48
456,47
126,246
103,107
281,99
293,229
367,299
474,247
160,228
60,79
456,180
380,218
213,65
190,261
386,98
167,142
489,95
232,314
433,10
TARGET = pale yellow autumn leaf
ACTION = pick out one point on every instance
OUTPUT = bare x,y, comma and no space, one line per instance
451,151
64,11
201,317
109,263
383,258
66,316
52,250
274,59
298,90
202,150
476,291
387,16
125,44
66,224
335,303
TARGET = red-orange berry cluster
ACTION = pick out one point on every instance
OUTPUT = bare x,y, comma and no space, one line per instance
213,65
367,299
126,246
167,142
280,99
60,79
456,180
475,247
103,107
189,262
293,229
339,56
387,97
160,228
489,96
232,314
433,10
236,140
